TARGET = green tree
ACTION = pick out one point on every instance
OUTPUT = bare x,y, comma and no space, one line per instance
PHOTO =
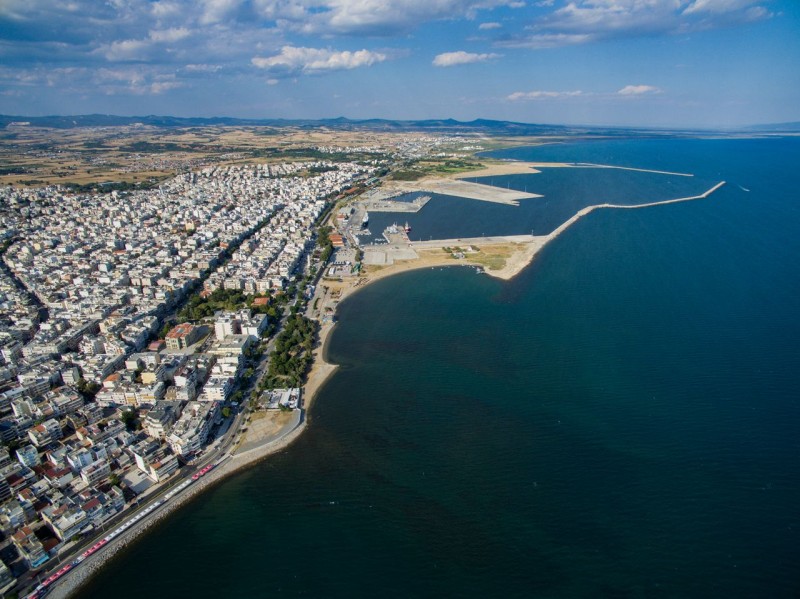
129,420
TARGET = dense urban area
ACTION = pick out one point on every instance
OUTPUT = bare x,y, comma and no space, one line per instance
136,326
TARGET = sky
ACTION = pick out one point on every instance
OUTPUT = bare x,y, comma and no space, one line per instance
652,63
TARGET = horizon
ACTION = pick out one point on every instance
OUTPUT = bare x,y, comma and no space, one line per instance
667,64
790,126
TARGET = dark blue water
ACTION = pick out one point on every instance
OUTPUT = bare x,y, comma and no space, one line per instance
621,420
564,192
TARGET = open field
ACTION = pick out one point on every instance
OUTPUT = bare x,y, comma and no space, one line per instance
143,155
262,425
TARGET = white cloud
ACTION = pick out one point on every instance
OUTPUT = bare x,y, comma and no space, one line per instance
125,50
215,11
202,68
313,60
638,90
159,87
585,21
369,17
165,9
173,34
719,6
135,80
629,91
543,95
492,25
548,40
449,59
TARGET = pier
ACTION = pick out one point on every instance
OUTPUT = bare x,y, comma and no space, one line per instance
411,207
461,241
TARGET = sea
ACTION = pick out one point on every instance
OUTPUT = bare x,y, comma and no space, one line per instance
620,420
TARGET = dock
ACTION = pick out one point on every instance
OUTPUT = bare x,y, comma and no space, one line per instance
411,207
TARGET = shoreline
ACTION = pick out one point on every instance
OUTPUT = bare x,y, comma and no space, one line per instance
524,249
527,247
77,579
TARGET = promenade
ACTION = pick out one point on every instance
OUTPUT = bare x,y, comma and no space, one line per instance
245,457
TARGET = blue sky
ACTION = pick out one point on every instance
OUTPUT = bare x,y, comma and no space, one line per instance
607,62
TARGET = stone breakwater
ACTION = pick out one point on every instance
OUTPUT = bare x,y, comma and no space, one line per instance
73,582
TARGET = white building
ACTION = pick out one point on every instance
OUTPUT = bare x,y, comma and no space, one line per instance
191,430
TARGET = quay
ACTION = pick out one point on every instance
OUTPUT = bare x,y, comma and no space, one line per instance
413,206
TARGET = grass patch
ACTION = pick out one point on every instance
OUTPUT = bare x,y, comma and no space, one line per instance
493,258
424,168
256,416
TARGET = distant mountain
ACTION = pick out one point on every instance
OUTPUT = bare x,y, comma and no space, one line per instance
777,127
109,120
485,126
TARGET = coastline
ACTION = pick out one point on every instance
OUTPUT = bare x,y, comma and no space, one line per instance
73,583
521,250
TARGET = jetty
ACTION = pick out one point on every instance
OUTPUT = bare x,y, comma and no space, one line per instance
461,241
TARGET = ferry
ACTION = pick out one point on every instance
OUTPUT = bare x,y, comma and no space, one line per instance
407,228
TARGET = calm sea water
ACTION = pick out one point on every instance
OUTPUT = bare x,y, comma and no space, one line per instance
564,192
621,420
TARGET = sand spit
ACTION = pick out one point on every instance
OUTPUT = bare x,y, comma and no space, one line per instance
507,167
513,167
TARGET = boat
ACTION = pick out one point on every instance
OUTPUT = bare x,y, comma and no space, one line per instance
407,228
365,220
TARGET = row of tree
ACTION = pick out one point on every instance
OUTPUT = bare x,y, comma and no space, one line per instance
325,243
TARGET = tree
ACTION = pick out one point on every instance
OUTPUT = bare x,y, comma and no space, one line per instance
226,412
129,419
87,388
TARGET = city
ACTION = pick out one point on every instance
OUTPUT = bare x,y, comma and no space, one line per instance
109,393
